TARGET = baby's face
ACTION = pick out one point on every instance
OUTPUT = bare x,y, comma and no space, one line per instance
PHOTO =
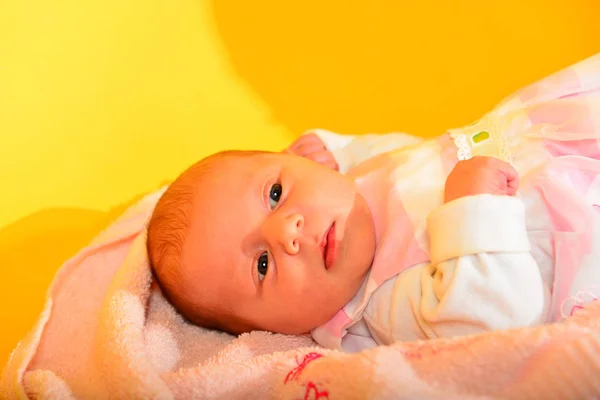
280,241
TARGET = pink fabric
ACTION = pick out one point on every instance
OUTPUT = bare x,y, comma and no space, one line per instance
572,242
586,148
338,322
554,86
395,230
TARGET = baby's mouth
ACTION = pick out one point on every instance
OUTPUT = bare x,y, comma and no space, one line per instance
328,246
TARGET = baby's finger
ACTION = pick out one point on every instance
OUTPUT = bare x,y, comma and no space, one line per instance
512,186
332,164
512,179
312,137
292,147
308,148
324,157
307,139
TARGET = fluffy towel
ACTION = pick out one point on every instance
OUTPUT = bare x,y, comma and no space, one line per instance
107,332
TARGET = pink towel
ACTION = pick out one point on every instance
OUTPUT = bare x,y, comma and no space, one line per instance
107,332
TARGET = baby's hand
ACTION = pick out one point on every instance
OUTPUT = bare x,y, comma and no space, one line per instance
312,147
481,175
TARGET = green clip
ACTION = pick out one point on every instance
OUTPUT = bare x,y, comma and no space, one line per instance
480,137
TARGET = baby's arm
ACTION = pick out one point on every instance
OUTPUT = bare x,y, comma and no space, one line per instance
482,276
343,152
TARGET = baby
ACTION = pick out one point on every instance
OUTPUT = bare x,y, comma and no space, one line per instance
366,240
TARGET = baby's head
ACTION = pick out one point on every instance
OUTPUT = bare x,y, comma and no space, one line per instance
244,241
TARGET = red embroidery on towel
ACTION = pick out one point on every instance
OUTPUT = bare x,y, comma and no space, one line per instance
312,388
312,391
575,309
578,307
578,301
295,373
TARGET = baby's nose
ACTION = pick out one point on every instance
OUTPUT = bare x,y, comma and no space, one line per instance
289,231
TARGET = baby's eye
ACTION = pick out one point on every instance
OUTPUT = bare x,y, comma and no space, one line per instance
275,195
263,265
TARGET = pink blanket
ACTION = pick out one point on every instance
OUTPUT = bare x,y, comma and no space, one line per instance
107,332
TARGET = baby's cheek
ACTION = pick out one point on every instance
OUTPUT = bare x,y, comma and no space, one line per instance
327,294
306,287
300,285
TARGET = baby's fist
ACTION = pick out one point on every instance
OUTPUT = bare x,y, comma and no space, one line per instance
481,175
312,147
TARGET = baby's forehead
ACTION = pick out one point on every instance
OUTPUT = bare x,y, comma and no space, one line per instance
226,182
234,169
238,162
231,186
227,202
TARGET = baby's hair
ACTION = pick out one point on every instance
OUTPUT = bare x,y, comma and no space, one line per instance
167,233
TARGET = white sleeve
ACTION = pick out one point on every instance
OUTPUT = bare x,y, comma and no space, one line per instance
482,276
351,150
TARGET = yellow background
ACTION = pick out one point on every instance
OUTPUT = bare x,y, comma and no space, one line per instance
101,101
